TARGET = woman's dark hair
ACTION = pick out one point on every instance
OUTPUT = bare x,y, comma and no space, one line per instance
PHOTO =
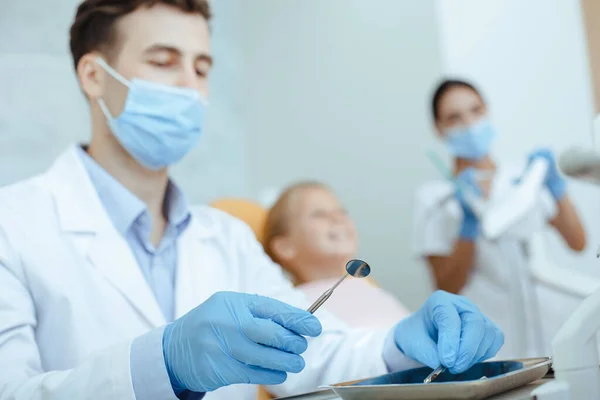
444,87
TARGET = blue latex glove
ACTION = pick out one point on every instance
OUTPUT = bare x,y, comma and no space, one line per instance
466,180
448,330
556,184
236,338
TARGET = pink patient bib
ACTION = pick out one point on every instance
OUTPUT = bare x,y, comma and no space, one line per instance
358,303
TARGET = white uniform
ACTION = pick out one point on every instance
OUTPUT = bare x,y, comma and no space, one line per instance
500,272
72,297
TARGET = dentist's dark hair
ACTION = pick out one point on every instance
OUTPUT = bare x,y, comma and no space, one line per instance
444,87
94,27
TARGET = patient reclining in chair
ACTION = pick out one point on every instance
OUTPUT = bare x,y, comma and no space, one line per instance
311,236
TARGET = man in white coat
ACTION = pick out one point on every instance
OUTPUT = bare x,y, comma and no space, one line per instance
112,287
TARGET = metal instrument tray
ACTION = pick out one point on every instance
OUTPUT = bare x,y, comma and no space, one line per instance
326,394
500,376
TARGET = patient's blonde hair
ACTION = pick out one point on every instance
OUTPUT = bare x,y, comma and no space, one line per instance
278,217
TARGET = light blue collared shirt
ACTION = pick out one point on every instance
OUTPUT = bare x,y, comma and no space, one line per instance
130,217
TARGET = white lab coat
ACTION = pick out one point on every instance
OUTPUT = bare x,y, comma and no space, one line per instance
72,297
500,280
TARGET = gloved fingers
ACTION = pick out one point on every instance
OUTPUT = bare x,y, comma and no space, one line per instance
425,351
304,323
532,156
488,341
468,175
544,153
466,181
553,180
464,305
496,345
447,321
268,333
263,376
417,345
294,319
474,329
471,353
251,353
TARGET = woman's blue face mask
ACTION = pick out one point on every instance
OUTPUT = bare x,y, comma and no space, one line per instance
160,124
471,142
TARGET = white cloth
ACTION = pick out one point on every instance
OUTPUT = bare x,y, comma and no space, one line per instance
72,298
500,267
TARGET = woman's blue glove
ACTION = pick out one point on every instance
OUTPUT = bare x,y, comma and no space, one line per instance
554,181
466,181
236,338
448,330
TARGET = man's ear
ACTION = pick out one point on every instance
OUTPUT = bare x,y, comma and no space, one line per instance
439,130
91,76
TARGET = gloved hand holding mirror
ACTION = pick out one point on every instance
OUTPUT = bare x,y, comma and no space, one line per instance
235,338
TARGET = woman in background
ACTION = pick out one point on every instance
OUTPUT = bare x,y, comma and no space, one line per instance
312,237
448,232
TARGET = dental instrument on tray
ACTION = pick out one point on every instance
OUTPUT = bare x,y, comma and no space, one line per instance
436,372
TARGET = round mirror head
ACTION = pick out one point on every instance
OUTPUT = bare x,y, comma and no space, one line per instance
358,268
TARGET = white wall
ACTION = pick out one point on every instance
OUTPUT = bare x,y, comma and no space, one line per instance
530,60
336,90
42,109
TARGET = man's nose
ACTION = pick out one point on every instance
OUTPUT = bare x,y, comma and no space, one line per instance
470,119
188,78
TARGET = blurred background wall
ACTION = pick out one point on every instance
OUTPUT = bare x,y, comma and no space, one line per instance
336,92
332,90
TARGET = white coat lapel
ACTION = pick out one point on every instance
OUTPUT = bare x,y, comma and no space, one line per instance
111,255
80,211
199,272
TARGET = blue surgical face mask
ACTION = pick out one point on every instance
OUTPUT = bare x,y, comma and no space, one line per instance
160,124
471,142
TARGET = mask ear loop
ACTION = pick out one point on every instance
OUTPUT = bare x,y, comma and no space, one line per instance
115,75
112,72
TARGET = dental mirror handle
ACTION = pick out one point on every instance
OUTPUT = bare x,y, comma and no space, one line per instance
338,282
324,297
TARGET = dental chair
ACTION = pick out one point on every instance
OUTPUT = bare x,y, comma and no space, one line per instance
249,211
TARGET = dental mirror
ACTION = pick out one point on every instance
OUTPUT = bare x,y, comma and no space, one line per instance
355,268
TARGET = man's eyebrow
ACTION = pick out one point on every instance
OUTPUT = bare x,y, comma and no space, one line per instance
174,50
162,47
